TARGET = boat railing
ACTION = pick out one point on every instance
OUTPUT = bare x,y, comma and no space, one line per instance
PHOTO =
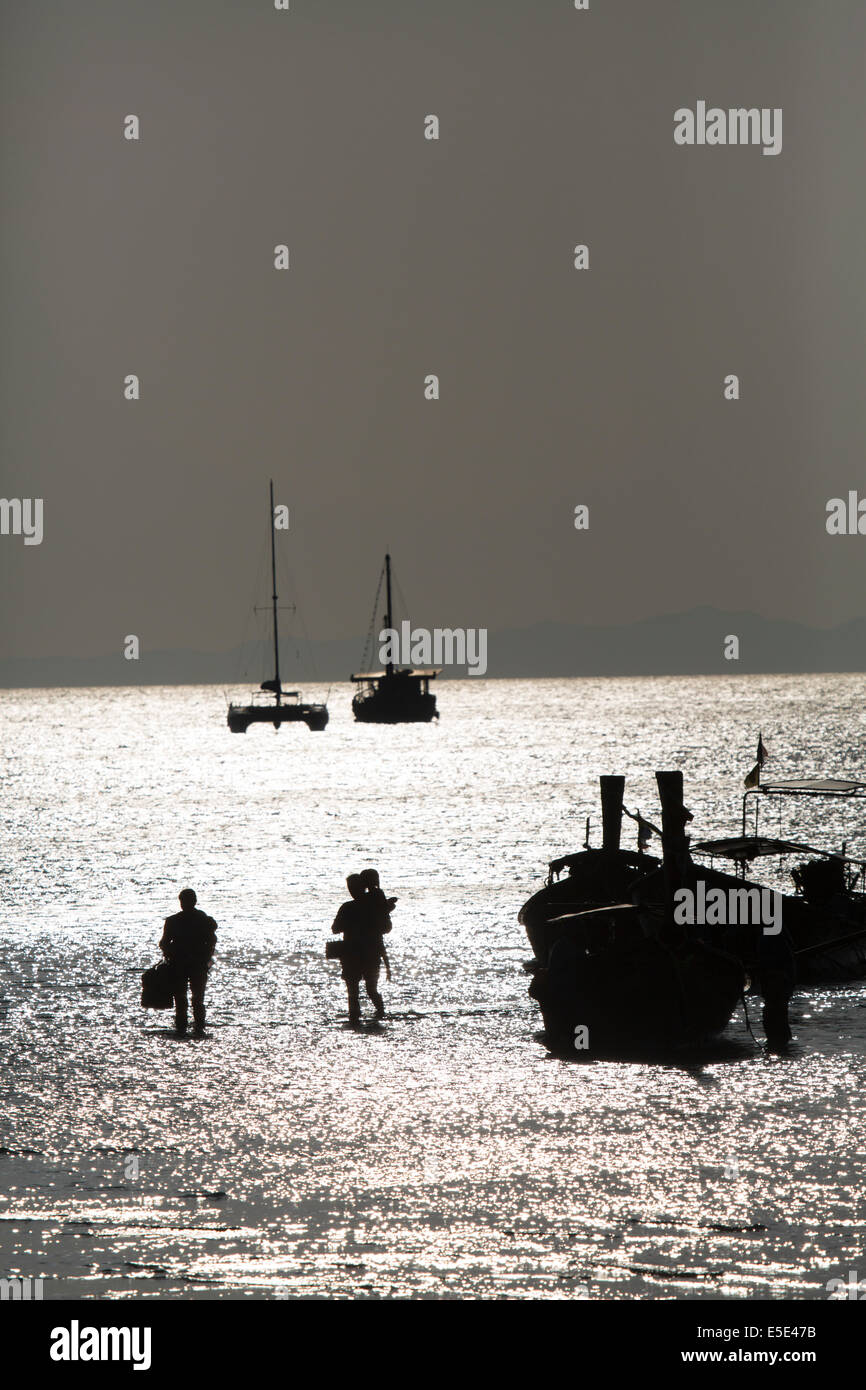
266,700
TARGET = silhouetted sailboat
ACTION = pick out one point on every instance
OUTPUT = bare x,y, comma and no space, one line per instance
278,706
399,694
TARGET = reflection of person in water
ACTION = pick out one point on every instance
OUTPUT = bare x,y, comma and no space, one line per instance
188,942
362,923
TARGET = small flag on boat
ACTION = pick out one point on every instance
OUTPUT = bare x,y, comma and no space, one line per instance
754,777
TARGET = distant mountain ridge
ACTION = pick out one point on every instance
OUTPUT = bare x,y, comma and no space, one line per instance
688,643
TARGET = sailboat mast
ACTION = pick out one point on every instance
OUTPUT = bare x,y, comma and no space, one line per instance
388,620
274,600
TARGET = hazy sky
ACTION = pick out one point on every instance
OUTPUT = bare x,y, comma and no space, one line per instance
411,257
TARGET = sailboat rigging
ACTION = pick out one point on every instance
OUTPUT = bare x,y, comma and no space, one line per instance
285,706
399,694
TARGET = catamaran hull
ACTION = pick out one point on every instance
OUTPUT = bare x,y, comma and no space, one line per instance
240,717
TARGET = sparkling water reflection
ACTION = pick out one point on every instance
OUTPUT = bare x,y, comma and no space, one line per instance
445,1154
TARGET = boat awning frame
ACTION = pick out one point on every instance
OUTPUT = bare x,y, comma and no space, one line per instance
810,786
841,787
744,848
428,673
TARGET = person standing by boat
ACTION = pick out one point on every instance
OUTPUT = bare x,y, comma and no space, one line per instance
188,942
777,978
361,924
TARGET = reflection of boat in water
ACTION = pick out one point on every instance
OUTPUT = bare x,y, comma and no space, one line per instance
396,695
274,705
624,978
824,917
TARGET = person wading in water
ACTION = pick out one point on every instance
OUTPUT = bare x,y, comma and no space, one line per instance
362,924
381,909
188,942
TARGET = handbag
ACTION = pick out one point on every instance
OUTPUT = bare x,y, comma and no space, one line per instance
334,950
157,987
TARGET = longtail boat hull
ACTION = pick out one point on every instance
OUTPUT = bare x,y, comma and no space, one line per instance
611,990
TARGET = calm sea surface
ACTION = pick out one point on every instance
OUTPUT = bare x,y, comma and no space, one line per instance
444,1155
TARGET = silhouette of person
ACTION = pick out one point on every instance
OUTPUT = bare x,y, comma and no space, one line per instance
381,907
777,979
361,925
188,942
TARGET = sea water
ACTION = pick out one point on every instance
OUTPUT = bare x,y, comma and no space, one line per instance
443,1154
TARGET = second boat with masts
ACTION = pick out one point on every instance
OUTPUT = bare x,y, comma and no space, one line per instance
396,694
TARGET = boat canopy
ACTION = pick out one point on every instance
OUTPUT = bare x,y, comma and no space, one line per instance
812,786
745,848
427,672
798,786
